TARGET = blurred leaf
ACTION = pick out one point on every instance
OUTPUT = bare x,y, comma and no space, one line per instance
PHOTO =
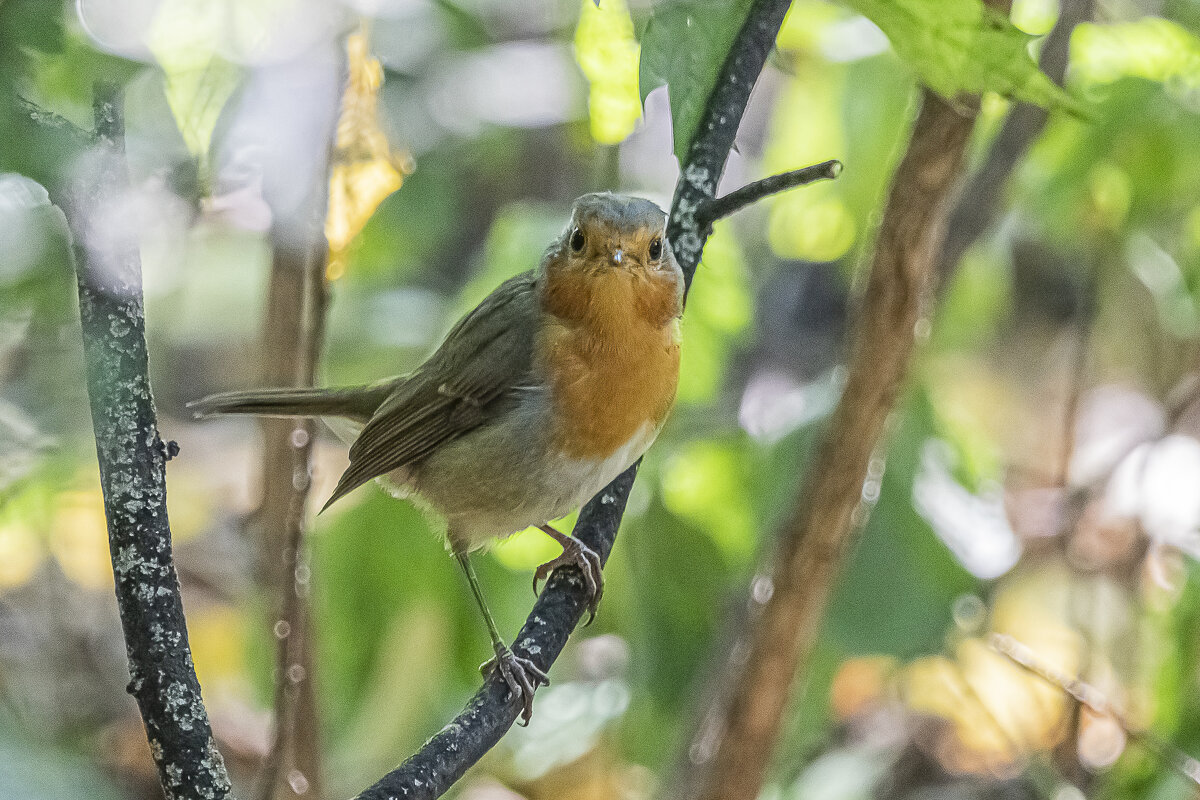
32,770
1151,48
379,562
68,76
187,38
807,126
369,561
962,46
28,25
365,168
684,47
897,593
718,312
570,719
79,539
977,301
677,575
515,243
607,53
705,483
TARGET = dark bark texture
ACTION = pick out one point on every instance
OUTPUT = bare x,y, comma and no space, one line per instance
132,460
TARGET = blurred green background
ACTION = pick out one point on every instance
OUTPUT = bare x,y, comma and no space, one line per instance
1062,347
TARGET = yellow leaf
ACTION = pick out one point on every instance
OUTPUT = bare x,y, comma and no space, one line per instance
997,712
365,168
79,539
217,634
608,54
21,553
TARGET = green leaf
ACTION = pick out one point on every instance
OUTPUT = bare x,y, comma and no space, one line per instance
961,46
32,24
684,46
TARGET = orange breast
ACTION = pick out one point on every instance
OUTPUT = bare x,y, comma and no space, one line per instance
610,351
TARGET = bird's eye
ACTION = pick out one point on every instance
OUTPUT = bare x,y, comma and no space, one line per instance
656,249
577,240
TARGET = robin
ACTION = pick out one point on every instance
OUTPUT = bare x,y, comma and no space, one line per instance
539,397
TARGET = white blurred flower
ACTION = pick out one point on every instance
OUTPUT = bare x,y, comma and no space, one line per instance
1157,484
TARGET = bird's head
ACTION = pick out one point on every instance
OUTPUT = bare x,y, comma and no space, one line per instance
612,263
612,231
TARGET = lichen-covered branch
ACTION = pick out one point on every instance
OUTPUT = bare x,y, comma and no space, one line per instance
48,120
132,460
491,712
818,532
701,170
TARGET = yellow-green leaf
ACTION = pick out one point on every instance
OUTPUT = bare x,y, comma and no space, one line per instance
607,53
958,46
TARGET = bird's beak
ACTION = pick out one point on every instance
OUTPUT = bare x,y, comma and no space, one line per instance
618,256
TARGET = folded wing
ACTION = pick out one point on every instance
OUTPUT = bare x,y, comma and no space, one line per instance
487,354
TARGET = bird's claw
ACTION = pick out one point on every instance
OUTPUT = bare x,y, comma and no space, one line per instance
521,675
577,554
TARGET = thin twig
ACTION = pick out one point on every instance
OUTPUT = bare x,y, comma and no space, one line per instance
132,460
1087,695
57,122
735,201
292,766
298,296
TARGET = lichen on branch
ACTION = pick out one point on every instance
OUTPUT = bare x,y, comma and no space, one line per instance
132,459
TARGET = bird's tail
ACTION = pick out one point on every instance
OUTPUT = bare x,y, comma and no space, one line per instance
355,402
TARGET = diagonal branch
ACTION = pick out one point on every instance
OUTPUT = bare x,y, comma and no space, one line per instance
687,230
49,120
1087,695
132,460
490,713
828,512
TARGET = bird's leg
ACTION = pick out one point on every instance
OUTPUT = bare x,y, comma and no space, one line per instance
521,674
575,554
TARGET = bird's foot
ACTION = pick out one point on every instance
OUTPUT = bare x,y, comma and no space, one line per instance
520,674
577,554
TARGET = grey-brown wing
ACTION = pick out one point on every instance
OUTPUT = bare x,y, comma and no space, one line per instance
487,353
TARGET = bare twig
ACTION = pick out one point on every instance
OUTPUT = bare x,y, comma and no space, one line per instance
818,533
720,207
292,767
1087,695
976,206
297,298
132,460
48,119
